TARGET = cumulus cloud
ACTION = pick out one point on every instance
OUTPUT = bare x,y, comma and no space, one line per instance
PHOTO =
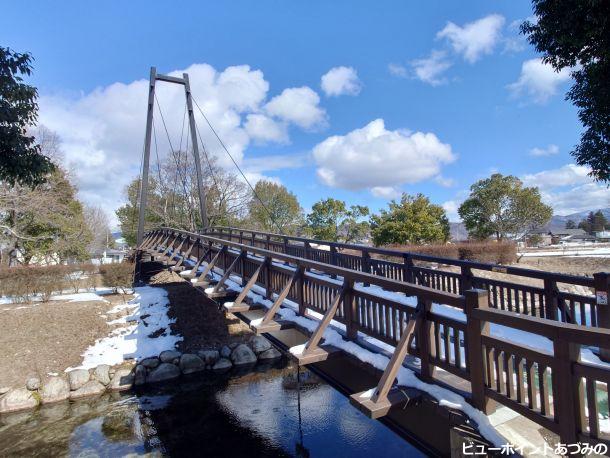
474,39
430,69
341,81
538,81
264,129
300,106
548,151
569,174
374,157
569,189
102,131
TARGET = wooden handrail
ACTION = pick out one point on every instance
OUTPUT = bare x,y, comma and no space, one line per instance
499,370
519,271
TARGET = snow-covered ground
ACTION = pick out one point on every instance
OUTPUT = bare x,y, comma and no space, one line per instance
85,296
144,332
571,251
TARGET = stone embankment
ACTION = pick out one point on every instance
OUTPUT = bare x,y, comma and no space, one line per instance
169,365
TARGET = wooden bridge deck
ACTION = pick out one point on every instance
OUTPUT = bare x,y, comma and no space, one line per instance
555,389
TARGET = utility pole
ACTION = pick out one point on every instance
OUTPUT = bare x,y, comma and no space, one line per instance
154,77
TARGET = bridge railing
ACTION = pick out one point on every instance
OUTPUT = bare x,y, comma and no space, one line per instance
560,297
530,364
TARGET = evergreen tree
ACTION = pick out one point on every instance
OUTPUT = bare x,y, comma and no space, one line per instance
21,159
413,220
501,206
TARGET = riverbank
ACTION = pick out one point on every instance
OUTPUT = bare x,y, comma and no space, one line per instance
108,343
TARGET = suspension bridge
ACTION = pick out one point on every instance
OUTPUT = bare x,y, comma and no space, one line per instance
420,342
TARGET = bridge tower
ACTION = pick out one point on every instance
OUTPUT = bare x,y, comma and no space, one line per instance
154,77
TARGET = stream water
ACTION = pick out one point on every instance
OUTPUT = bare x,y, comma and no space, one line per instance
263,413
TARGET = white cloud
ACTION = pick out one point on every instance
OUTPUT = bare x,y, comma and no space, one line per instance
568,175
474,39
374,157
548,151
341,81
538,81
298,105
569,189
103,131
386,192
430,69
264,129
398,70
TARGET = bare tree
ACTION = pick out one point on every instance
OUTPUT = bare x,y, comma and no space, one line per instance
99,226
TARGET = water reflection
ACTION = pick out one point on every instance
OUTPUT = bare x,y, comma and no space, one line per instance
267,413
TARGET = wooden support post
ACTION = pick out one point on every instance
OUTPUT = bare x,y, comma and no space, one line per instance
424,337
307,247
267,242
465,279
366,264
601,282
267,324
550,300
477,298
268,289
333,258
301,293
407,268
227,273
350,310
566,385
312,353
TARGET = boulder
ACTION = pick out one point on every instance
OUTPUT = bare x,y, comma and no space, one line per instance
259,344
122,380
233,345
269,355
165,371
17,399
140,375
90,388
150,363
242,355
78,378
222,364
209,356
55,389
32,383
190,363
102,374
225,352
169,356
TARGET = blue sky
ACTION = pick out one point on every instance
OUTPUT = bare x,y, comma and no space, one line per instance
456,91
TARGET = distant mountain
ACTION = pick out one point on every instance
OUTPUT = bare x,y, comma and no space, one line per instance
459,232
559,222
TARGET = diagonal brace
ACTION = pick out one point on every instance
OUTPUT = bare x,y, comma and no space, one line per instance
268,318
250,284
227,273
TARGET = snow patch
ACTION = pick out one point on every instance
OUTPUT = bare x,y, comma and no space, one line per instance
144,333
